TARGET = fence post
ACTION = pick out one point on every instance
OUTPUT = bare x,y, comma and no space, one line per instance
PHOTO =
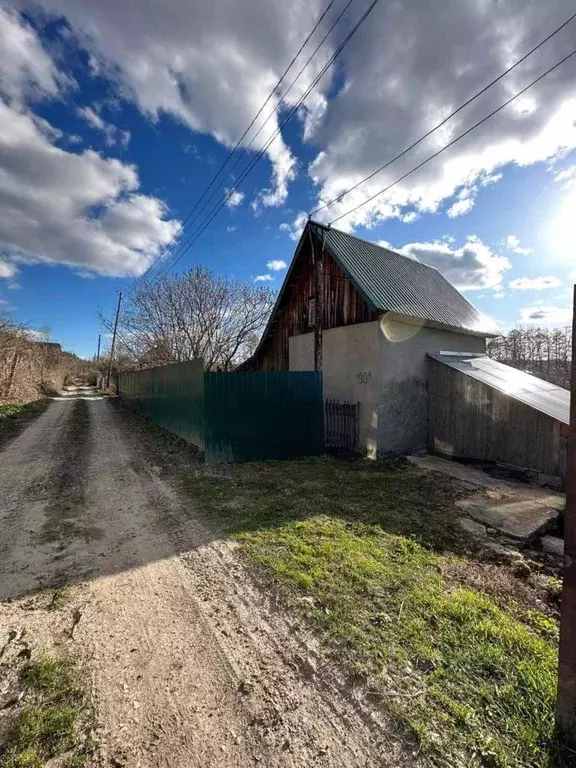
566,701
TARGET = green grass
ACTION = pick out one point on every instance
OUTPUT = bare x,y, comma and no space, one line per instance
54,719
367,552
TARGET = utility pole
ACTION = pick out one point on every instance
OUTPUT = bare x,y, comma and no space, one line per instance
317,262
98,352
566,702
113,340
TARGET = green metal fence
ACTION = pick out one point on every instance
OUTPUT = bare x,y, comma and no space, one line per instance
251,416
171,395
241,416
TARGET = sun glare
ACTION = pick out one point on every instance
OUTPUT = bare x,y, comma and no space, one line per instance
562,229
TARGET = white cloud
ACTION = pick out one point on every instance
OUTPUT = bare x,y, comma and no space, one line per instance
472,266
26,70
534,283
546,316
394,91
566,175
263,278
209,65
112,134
7,270
47,199
294,228
460,207
82,210
513,244
235,199
276,265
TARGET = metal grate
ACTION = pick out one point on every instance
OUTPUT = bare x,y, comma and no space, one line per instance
342,420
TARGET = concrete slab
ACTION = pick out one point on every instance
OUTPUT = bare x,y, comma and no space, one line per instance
467,475
521,519
476,478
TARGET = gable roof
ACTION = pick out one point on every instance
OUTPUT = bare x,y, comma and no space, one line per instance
390,281
550,399
387,281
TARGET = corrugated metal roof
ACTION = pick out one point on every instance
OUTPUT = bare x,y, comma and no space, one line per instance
390,281
548,398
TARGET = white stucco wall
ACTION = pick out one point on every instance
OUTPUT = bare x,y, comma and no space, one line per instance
403,400
383,366
350,371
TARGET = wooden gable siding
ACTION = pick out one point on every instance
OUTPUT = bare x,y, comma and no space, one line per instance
342,305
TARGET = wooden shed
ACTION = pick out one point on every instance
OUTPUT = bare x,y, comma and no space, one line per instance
481,409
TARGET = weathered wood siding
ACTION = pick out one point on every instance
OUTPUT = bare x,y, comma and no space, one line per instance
470,420
341,303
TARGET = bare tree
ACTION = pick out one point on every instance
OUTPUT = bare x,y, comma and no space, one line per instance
197,314
30,367
544,352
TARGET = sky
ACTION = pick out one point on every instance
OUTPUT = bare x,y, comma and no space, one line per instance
115,117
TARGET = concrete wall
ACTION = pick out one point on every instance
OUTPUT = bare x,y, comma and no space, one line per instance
383,366
403,409
350,371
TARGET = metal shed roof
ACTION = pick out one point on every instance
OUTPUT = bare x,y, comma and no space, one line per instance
548,398
390,281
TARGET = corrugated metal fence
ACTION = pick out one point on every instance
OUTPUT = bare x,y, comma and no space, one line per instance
240,416
272,414
170,395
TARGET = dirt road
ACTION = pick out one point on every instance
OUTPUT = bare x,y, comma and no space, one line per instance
191,664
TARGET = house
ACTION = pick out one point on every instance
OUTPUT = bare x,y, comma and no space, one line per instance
368,317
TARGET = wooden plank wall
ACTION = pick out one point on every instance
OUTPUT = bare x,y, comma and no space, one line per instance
342,305
470,420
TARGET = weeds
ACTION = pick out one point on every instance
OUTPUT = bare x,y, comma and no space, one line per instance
53,720
372,549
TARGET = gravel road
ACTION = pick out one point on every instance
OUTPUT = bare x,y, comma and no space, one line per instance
192,665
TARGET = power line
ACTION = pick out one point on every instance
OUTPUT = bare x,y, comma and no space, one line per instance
454,141
232,151
275,110
203,226
340,197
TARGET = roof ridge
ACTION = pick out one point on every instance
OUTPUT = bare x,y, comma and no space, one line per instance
329,228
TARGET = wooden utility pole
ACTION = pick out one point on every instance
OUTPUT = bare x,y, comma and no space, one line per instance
566,702
98,352
113,340
317,265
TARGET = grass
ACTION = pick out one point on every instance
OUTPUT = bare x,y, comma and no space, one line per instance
463,652
15,416
54,719
366,552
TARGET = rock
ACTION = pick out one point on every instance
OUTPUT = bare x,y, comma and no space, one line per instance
472,527
499,552
552,545
550,481
521,568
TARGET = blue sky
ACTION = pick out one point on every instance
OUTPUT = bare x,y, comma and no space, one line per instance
116,116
